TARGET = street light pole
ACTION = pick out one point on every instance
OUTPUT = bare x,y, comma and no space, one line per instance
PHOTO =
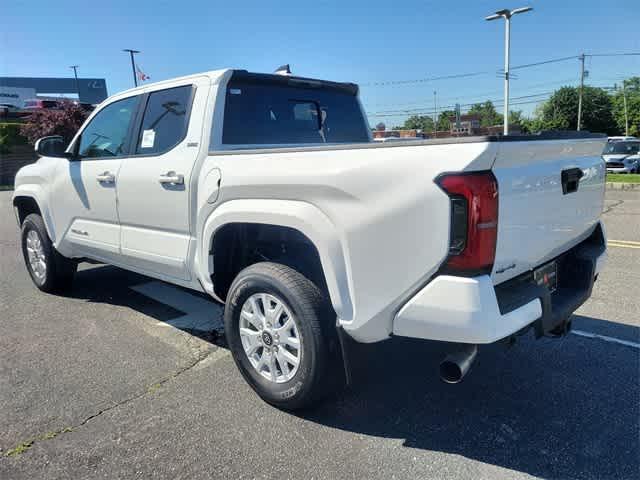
507,14
75,74
133,64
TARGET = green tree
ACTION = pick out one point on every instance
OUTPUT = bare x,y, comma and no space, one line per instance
488,114
444,122
560,112
632,92
517,118
418,122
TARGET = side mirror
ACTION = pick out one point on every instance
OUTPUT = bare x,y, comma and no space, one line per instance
53,146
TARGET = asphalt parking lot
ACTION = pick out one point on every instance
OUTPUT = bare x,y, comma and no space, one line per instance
123,378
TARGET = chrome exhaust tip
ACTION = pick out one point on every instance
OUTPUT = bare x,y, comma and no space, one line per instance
456,365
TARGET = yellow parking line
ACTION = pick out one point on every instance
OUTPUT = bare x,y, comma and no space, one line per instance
630,242
622,245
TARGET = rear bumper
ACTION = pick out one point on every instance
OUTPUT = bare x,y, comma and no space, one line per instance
473,310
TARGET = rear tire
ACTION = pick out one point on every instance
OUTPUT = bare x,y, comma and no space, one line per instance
49,270
281,374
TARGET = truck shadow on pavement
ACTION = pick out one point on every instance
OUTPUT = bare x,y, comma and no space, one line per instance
113,286
553,408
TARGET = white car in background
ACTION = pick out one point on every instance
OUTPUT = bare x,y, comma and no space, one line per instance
621,139
622,156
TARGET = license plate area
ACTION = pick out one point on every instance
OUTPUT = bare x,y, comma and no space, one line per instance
547,276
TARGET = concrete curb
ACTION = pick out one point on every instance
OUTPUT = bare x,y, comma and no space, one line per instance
622,186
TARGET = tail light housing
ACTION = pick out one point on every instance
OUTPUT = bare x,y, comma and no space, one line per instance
474,221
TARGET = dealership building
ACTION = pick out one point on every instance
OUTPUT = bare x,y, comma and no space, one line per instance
15,90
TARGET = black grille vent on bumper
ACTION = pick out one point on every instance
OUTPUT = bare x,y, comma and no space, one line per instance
576,270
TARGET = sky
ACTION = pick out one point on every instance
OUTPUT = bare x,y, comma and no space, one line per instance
377,44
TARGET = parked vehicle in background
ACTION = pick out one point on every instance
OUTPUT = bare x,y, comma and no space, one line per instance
87,107
6,108
39,104
620,139
9,111
268,193
622,156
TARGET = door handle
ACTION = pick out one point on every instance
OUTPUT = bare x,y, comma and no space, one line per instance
172,178
106,177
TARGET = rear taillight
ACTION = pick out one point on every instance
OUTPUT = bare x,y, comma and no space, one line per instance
474,221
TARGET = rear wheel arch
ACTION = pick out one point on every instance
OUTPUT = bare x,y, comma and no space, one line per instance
297,220
237,245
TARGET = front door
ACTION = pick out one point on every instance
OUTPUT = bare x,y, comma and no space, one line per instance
84,193
154,184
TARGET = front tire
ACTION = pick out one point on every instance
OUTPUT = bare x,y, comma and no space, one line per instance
49,270
277,325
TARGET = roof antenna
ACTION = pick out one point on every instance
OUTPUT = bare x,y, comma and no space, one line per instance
283,70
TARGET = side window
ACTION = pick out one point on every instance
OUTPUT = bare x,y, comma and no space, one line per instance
165,120
106,134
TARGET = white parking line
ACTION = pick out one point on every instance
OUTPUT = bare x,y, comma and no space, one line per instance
201,314
205,315
606,338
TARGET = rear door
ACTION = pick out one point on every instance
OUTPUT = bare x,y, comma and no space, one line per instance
154,184
551,195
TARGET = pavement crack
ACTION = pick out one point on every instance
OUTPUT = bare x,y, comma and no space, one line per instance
25,445
612,206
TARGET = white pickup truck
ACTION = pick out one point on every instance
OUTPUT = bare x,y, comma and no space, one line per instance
268,193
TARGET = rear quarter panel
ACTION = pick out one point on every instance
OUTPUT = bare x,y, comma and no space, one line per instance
391,219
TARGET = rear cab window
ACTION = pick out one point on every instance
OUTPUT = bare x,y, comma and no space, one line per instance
272,110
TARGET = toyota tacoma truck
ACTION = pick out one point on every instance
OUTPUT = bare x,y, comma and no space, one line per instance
267,192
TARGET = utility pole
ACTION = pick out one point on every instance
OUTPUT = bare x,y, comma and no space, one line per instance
507,14
75,74
133,64
435,116
626,114
581,58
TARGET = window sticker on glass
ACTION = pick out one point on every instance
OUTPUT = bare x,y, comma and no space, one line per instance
235,91
148,139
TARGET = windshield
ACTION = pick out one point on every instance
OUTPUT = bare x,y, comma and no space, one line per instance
621,148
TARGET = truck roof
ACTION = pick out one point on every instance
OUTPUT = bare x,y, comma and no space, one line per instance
216,75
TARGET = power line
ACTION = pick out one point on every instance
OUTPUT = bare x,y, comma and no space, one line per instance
483,94
444,109
427,112
629,54
423,80
555,60
474,74
448,107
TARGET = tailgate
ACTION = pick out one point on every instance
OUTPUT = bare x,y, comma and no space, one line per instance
537,218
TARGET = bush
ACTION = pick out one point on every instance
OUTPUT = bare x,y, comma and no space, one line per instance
10,137
64,122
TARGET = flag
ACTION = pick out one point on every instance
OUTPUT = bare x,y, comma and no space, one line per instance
141,75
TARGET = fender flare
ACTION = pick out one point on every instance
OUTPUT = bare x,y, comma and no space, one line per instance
301,216
37,193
